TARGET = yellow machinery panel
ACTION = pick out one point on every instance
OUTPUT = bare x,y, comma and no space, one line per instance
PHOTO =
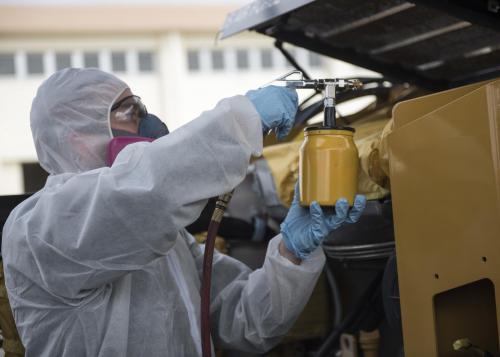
445,179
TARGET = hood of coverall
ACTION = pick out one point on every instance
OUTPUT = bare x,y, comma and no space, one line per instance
70,119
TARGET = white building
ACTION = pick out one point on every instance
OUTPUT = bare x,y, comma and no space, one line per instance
167,54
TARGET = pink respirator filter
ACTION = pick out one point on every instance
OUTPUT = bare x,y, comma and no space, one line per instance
117,144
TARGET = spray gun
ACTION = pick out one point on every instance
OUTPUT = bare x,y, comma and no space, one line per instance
329,86
328,160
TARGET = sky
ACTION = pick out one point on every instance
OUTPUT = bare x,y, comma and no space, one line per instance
128,2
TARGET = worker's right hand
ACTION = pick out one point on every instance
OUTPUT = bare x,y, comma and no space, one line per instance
277,107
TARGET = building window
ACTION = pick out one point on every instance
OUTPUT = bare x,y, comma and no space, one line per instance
63,60
118,62
266,58
91,60
217,59
193,60
146,62
35,63
242,59
314,59
7,64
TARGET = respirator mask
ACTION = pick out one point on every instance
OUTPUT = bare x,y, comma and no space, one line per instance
130,113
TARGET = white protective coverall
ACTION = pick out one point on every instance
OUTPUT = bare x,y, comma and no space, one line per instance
98,262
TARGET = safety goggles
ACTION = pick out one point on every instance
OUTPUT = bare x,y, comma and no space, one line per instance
129,108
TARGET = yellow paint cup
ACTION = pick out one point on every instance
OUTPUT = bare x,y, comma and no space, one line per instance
328,166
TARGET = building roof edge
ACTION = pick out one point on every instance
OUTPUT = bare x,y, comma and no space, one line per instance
111,19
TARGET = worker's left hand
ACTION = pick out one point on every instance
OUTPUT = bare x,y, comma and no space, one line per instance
277,107
303,230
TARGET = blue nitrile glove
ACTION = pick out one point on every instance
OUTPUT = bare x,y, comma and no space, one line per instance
277,107
303,230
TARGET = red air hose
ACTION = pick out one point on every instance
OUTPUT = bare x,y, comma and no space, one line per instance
213,227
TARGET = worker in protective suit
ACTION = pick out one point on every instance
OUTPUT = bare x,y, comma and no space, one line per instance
98,262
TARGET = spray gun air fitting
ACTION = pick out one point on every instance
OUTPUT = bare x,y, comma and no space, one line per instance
328,160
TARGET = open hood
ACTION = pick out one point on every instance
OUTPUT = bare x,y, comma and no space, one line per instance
432,44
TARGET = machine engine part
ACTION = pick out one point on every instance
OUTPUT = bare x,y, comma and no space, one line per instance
348,345
369,343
